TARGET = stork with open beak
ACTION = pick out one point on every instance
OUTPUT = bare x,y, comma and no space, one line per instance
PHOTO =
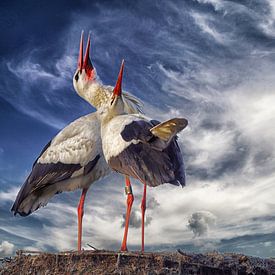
138,147
73,158
88,86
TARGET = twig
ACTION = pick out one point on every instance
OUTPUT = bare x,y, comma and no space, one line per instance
5,259
94,248
65,252
29,251
181,252
118,261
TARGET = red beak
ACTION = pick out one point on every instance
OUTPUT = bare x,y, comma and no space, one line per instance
117,90
80,57
88,66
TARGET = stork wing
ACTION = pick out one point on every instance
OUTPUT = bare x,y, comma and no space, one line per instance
139,130
168,129
72,150
72,153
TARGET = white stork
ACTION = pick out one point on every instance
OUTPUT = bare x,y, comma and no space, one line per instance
144,149
73,158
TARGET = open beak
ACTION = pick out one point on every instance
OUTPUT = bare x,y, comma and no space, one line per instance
88,66
86,63
80,57
117,90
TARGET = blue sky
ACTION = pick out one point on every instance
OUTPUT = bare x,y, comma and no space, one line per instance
210,61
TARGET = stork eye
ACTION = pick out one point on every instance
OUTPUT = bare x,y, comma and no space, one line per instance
76,77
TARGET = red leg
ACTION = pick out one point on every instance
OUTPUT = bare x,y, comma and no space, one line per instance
143,208
80,213
130,200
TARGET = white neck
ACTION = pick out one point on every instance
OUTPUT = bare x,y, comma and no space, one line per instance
96,94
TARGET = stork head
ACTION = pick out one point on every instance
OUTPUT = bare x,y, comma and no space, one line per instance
116,104
85,74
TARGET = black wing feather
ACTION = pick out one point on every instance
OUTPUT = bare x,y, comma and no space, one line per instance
45,174
152,160
139,129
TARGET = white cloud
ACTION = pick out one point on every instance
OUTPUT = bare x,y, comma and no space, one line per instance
28,71
238,121
217,4
210,147
53,76
8,195
253,110
268,22
6,248
207,27
263,20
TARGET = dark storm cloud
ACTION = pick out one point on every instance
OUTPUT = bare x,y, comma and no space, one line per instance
200,222
135,220
152,203
231,161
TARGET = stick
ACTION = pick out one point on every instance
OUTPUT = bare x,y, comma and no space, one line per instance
94,248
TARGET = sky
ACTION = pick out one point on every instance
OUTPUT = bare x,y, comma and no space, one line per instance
210,61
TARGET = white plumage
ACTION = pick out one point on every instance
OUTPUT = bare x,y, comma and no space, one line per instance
112,142
74,147
76,143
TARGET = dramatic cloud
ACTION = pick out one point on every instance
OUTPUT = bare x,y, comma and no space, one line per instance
30,76
202,22
211,61
200,222
152,203
6,248
9,195
135,220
